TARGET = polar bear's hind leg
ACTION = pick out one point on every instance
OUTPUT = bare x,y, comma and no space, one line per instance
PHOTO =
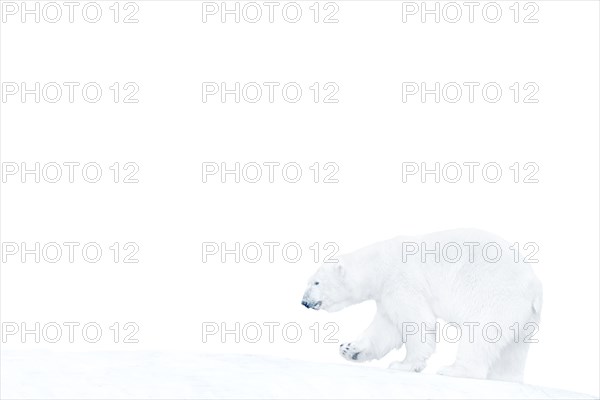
510,366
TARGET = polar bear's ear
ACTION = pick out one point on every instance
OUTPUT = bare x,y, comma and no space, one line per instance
339,269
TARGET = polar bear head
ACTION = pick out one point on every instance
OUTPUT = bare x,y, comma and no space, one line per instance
338,285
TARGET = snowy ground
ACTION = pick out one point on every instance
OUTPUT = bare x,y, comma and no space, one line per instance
148,375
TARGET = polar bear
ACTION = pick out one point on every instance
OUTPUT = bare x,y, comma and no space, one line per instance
469,278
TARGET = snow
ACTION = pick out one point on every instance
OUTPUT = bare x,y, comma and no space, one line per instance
152,375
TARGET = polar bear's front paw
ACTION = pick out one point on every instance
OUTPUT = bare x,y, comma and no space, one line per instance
353,352
408,366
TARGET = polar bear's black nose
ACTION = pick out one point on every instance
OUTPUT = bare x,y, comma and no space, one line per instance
305,304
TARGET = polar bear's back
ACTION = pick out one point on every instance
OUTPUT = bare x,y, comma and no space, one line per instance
478,279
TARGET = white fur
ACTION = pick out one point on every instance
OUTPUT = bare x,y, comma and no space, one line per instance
471,290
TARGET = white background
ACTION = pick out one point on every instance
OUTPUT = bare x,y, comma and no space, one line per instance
369,133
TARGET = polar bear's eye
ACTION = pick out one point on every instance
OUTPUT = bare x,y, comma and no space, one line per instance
316,283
